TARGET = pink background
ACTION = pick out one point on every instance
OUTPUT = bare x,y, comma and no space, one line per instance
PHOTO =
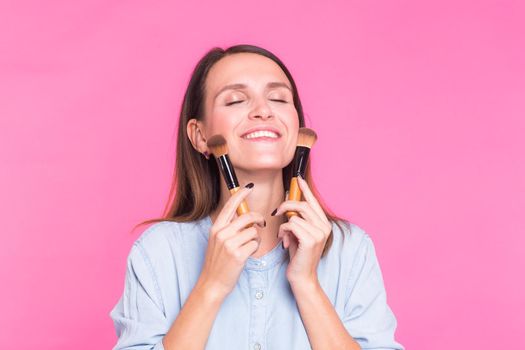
419,107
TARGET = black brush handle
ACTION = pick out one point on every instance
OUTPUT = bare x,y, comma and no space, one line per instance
227,171
300,161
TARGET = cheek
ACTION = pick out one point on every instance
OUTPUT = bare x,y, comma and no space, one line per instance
291,117
293,130
292,123
295,123
221,122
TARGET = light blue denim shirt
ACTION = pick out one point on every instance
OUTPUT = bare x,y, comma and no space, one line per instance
260,313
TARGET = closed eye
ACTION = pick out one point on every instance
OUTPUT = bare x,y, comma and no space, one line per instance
234,102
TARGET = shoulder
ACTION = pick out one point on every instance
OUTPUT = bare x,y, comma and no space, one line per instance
354,240
164,233
348,237
352,247
157,234
359,253
163,240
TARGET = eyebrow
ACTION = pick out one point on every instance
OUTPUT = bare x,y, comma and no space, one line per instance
270,85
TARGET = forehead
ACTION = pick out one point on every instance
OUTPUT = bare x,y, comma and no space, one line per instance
247,68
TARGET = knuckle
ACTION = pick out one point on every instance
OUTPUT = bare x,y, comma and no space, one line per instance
237,256
228,245
221,237
309,243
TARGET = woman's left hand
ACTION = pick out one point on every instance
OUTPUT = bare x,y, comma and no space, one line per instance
305,236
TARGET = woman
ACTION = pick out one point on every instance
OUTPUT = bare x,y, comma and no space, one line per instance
200,279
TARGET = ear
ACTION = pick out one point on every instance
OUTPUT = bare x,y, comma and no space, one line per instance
196,135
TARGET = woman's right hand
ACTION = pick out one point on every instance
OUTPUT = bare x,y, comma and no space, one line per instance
230,244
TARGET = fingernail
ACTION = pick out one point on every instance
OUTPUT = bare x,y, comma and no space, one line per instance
250,185
275,211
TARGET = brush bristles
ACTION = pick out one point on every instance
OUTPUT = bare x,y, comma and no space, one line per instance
217,145
306,138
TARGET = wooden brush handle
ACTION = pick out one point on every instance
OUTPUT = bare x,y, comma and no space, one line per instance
294,194
243,207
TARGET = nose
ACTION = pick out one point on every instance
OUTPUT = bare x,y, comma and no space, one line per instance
261,110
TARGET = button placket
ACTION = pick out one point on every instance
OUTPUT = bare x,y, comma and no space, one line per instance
257,280
259,294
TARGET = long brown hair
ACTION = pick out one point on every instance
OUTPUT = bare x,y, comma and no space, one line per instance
195,189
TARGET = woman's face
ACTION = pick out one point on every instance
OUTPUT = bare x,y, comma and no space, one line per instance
245,92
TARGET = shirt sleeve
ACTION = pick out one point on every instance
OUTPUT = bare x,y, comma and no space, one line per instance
139,320
367,316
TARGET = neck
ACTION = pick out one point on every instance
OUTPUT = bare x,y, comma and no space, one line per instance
267,194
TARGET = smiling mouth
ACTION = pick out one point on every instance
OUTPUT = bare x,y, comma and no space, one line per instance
262,135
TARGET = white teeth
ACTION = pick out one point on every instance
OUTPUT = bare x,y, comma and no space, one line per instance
262,133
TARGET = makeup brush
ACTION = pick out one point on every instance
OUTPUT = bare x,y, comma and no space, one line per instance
218,146
305,141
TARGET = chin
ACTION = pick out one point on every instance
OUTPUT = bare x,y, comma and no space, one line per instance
262,165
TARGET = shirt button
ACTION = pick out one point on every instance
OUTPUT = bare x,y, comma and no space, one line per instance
259,294
263,263
257,346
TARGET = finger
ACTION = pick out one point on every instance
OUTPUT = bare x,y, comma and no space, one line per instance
314,231
248,249
301,207
230,207
289,239
237,225
248,219
283,237
285,240
243,244
304,238
310,198
244,237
